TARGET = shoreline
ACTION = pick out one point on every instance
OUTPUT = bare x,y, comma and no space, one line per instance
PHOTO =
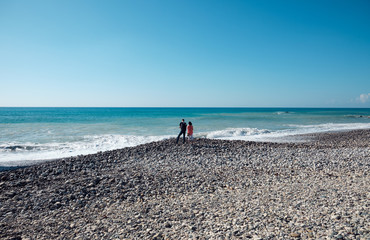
289,139
4,168
215,189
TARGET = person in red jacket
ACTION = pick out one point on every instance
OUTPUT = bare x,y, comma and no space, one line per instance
190,131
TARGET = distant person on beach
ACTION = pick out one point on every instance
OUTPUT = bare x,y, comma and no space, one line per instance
182,131
190,131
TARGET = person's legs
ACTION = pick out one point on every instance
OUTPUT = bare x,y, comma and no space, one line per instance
183,137
178,137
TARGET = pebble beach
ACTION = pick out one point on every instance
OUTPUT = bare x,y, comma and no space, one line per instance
204,189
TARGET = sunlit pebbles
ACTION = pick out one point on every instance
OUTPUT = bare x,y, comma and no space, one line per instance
205,189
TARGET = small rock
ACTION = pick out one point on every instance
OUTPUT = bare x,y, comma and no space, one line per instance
335,217
255,237
295,235
93,228
157,236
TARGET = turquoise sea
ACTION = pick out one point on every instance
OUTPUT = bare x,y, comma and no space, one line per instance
31,134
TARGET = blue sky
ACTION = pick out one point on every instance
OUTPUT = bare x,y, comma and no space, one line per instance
185,53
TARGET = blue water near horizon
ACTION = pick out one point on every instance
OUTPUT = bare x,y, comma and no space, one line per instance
31,134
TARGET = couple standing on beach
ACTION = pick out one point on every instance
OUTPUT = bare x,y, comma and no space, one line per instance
183,128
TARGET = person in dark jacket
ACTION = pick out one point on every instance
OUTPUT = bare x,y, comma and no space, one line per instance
182,131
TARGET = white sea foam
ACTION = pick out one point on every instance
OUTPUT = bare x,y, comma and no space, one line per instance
18,154
327,127
282,112
253,134
234,133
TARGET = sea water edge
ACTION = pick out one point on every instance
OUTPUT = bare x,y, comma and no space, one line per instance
32,134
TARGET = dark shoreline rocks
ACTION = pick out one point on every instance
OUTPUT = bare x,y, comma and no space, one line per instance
9,168
206,189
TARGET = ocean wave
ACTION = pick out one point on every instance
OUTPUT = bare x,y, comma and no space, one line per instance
282,112
326,127
19,154
254,134
14,148
234,133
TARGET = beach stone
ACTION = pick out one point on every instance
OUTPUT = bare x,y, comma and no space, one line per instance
295,235
335,217
256,237
220,189
339,236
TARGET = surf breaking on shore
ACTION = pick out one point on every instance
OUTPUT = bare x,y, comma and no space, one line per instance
24,154
212,189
